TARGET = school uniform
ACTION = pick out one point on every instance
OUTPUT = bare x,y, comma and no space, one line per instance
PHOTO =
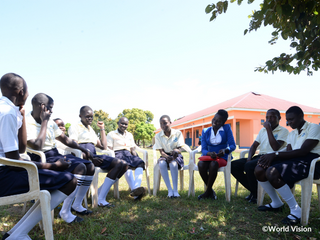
296,169
12,181
87,138
121,145
49,148
214,143
168,144
243,171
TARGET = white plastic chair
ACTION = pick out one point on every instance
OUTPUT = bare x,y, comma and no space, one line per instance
94,184
306,193
242,155
226,171
157,174
34,193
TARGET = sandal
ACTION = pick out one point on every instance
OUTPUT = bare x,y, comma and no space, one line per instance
290,221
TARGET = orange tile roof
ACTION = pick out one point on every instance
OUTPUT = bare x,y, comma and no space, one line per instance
249,101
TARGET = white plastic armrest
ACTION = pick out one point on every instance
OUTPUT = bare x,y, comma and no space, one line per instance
106,152
313,165
145,154
155,160
39,153
76,152
243,153
193,153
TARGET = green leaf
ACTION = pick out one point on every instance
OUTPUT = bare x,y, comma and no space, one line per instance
245,31
208,9
225,6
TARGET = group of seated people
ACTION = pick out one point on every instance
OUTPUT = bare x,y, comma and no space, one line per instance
284,157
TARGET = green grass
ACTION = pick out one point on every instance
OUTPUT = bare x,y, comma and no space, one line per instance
184,218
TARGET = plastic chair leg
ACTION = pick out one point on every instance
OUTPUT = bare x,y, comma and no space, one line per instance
45,199
181,180
236,189
94,188
227,183
156,179
148,181
306,193
116,190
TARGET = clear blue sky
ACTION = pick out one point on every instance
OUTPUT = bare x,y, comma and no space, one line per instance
163,56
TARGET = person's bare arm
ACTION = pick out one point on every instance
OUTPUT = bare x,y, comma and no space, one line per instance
252,150
102,144
275,145
38,143
22,133
71,143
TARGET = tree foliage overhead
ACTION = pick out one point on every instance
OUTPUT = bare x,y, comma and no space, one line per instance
296,20
109,124
135,117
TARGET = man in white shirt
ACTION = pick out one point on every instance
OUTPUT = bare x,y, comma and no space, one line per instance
13,140
122,143
272,137
278,171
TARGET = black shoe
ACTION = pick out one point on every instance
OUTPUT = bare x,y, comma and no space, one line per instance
214,195
138,191
76,220
289,221
253,200
109,205
85,212
248,197
5,236
266,208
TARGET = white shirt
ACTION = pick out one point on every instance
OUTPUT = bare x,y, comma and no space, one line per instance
10,122
82,134
309,131
168,144
216,139
119,142
280,134
33,130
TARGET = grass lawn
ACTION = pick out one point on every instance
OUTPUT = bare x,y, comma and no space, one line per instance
184,218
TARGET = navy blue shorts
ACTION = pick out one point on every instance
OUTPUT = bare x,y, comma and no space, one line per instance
53,155
15,182
107,160
296,169
133,161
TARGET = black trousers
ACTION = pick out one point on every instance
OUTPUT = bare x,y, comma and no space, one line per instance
243,171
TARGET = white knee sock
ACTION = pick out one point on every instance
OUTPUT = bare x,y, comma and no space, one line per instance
287,195
164,173
85,182
138,177
174,175
23,227
276,201
65,211
105,188
130,179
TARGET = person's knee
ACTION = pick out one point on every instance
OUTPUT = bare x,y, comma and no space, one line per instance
201,164
214,165
80,169
259,172
272,174
90,169
250,166
141,165
69,187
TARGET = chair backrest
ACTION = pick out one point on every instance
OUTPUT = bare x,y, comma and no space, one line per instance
34,188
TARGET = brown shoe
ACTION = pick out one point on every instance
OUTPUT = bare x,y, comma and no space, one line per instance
138,191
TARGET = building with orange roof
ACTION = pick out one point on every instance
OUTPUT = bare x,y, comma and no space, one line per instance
246,116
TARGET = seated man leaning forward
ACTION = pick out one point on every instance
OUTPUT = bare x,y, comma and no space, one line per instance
86,137
122,142
41,135
272,137
169,142
280,170
13,140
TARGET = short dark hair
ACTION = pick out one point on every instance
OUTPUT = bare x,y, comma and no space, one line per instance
295,110
56,119
224,114
275,111
165,116
85,108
